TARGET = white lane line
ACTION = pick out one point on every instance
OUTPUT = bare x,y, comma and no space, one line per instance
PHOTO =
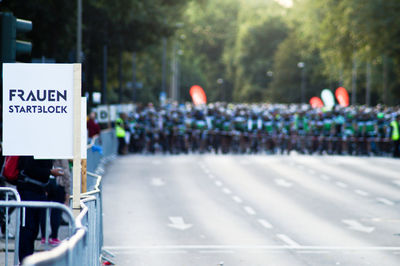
168,252
357,226
361,193
385,201
397,182
226,191
218,183
342,185
312,252
249,210
287,240
254,247
325,177
283,183
211,176
237,199
216,252
127,252
157,182
265,223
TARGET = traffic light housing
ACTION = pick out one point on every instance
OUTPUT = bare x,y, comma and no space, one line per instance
11,47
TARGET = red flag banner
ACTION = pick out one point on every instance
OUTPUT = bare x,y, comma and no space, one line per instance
342,96
316,102
198,95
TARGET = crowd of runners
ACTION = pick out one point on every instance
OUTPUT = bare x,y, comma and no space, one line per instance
267,128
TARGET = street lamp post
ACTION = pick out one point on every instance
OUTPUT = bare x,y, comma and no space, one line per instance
134,92
176,52
174,79
220,82
302,66
79,33
164,65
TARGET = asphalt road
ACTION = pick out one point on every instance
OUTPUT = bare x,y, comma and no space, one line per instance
251,210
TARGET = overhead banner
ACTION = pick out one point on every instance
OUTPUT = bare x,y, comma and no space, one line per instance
38,110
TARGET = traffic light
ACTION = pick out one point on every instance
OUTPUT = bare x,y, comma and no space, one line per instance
11,47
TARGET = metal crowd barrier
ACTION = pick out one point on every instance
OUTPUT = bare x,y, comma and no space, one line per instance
7,191
36,204
85,241
84,246
99,151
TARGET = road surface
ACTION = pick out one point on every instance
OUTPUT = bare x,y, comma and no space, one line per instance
239,210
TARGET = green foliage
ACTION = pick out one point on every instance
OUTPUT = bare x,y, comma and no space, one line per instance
286,75
122,25
210,29
255,57
342,29
53,25
234,42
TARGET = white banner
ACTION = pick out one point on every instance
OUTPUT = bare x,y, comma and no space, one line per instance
38,110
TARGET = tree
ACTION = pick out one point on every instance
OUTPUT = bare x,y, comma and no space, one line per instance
209,29
256,46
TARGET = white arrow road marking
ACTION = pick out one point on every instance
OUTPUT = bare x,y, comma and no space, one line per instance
265,223
283,183
177,222
157,182
385,201
357,226
288,240
361,193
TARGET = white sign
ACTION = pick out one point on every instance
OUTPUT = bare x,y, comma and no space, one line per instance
96,97
102,113
110,113
113,112
38,110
